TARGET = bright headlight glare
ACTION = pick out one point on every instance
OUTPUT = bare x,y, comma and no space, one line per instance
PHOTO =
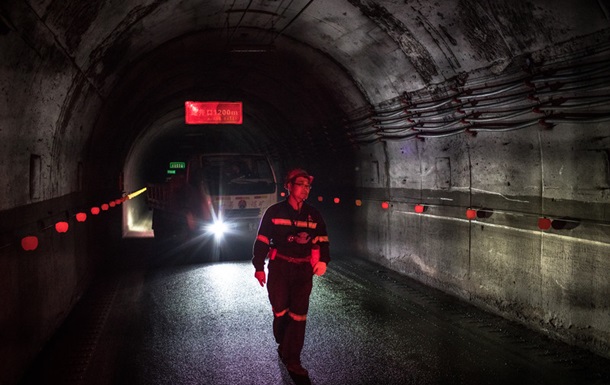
218,228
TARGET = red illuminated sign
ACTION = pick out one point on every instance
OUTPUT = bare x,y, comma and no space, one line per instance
213,112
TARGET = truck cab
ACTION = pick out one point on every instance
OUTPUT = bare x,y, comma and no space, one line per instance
219,196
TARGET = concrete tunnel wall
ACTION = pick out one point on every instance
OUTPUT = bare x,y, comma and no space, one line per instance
554,280
63,150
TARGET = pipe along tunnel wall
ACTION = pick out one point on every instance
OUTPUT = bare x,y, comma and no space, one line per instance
512,184
553,279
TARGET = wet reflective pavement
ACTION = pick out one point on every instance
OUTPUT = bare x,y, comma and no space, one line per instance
210,323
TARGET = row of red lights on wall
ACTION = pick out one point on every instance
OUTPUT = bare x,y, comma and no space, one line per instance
30,242
471,213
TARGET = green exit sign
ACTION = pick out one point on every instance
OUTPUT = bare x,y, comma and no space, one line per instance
175,165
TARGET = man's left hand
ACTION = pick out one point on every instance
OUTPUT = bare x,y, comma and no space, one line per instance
319,268
260,276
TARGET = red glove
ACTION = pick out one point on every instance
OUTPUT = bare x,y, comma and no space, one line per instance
319,268
260,275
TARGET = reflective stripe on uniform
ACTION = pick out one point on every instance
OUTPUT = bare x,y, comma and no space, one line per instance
297,317
288,222
311,225
263,239
321,238
281,222
281,313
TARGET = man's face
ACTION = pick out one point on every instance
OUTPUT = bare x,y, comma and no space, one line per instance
299,188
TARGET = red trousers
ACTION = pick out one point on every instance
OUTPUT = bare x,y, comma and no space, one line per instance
289,286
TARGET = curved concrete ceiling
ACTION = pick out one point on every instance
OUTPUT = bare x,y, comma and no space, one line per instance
302,67
308,64
415,42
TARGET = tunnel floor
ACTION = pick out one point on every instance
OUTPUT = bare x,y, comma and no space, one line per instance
160,318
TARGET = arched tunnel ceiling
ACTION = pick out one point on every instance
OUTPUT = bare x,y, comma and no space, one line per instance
300,66
305,61
416,43
289,95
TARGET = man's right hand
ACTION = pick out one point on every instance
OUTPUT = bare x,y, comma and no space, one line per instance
260,275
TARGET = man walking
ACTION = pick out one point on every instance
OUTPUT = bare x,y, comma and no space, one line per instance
293,235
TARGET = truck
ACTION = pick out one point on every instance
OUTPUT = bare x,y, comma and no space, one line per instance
215,197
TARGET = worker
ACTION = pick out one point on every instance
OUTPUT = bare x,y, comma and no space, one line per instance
292,233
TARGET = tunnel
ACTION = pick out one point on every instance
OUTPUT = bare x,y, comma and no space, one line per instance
463,144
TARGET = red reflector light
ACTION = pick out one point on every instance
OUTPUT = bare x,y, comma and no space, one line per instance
95,210
385,205
337,200
61,227
112,204
471,214
358,202
544,223
213,112
29,243
105,207
419,208
320,199
81,217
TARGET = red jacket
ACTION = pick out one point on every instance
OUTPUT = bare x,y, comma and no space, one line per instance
292,233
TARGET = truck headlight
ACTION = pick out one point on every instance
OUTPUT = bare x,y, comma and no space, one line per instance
218,228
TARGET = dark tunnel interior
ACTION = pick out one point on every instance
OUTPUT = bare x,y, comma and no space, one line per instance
288,110
463,144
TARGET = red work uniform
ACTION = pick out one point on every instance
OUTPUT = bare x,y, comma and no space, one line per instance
292,234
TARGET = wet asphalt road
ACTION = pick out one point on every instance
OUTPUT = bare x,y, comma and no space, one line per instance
159,320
